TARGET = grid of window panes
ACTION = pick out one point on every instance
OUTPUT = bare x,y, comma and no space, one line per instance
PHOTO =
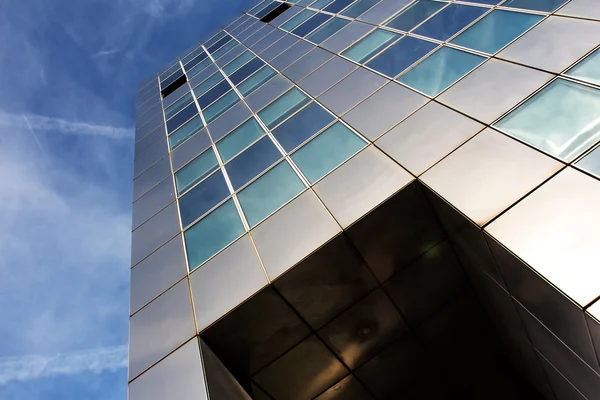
261,108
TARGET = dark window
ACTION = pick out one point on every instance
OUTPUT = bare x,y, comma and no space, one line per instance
280,9
172,83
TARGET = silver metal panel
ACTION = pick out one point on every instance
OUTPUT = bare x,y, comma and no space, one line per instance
226,281
149,140
160,327
327,75
554,44
347,36
203,75
488,174
291,55
351,90
228,121
152,202
172,97
383,10
268,92
151,177
146,160
561,386
277,48
582,9
492,89
189,149
221,383
153,233
307,64
360,185
280,19
230,55
292,233
427,136
179,376
384,109
554,231
157,273
267,41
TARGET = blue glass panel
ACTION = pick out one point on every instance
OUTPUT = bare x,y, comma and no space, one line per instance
178,105
220,106
326,151
283,107
401,55
185,114
198,68
171,79
338,5
213,94
238,62
440,70
370,45
256,80
311,24
537,5
412,16
258,157
202,198
561,119
218,36
359,8
297,20
219,44
320,4
301,126
496,30
198,52
269,192
324,32
199,168
208,83
248,69
259,6
212,233
591,162
218,53
169,72
449,21
267,9
237,140
195,61
187,130
488,2
588,69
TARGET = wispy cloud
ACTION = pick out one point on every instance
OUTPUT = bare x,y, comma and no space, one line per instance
104,53
40,366
49,124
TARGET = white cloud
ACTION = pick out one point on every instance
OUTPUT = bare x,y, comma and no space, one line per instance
31,367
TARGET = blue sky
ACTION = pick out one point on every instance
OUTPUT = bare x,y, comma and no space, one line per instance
68,75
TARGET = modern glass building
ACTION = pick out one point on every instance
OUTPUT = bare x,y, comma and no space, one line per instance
367,199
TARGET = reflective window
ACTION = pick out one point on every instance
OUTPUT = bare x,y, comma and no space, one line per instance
218,44
178,105
338,5
320,4
311,24
267,10
256,80
187,130
537,5
259,6
258,157
202,198
412,16
283,107
212,233
301,126
326,151
208,84
185,114
401,55
220,106
230,45
269,192
213,94
238,62
195,61
237,140
297,20
562,119
591,162
440,70
327,30
218,36
488,2
449,21
370,45
198,52
359,8
496,30
199,168
588,69
198,68
248,69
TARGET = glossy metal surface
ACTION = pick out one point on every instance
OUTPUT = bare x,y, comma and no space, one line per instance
348,388
360,185
226,281
493,89
427,136
268,92
382,11
291,55
488,174
150,178
307,64
189,149
160,327
152,202
582,9
327,75
592,316
149,157
351,90
279,247
220,382
148,141
153,233
228,121
277,48
561,386
554,44
346,36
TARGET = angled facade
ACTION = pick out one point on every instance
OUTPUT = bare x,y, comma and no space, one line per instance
372,199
